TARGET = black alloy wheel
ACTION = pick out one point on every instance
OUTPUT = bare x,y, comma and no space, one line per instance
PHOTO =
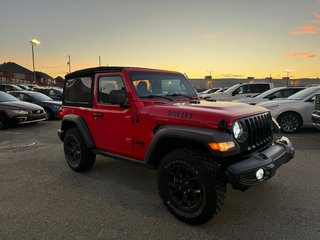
184,187
78,156
73,153
191,185
289,122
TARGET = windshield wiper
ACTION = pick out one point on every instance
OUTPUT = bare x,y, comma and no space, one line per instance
157,96
192,99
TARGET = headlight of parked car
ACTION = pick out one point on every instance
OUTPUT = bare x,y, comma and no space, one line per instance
240,131
272,107
19,112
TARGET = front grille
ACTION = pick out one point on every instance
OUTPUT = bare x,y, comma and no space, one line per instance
259,131
317,102
40,111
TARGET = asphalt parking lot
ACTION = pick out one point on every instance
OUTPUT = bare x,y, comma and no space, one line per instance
41,198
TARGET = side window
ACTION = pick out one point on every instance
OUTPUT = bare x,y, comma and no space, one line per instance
78,91
106,85
288,92
242,89
277,94
262,88
52,93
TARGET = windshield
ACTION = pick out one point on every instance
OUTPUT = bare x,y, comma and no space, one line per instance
39,96
304,93
155,84
5,97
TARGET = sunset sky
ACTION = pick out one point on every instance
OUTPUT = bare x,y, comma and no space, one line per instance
232,38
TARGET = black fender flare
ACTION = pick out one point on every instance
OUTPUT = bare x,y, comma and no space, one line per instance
190,133
81,125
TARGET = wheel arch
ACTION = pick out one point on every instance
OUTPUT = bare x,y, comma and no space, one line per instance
294,112
71,121
169,137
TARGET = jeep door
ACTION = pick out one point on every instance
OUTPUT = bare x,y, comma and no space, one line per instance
113,130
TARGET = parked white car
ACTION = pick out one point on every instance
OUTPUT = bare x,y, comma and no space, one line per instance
242,90
208,92
271,94
294,112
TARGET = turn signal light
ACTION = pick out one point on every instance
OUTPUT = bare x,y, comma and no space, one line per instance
222,147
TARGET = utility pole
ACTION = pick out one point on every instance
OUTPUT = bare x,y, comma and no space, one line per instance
288,71
99,61
69,63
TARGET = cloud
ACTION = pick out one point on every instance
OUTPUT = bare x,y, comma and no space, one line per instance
307,55
317,19
308,29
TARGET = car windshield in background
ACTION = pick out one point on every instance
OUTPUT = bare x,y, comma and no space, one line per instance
5,97
161,85
304,93
39,96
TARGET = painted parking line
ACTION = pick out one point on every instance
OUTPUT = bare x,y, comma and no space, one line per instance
13,133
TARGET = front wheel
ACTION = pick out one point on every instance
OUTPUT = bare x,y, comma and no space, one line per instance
191,185
289,122
78,156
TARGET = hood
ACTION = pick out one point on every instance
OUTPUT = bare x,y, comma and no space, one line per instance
276,102
19,105
207,113
250,100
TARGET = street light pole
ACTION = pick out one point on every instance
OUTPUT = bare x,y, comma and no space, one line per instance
34,42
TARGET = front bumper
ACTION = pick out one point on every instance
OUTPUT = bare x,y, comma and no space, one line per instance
315,117
243,174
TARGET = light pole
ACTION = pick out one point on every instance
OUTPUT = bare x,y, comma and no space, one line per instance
288,71
34,42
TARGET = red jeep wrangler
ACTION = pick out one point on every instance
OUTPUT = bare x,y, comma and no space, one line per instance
154,118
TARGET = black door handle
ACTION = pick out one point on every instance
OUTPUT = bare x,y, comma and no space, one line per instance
98,114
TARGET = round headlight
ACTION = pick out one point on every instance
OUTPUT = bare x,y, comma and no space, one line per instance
240,131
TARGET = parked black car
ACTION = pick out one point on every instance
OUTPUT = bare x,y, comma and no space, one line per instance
50,106
14,111
9,87
54,93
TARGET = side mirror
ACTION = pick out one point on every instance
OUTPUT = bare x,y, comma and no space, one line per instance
119,97
234,93
271,97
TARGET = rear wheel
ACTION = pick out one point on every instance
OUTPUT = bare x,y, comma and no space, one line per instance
191,185
78,156
289,122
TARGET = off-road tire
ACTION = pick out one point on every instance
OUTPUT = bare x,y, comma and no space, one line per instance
191,185
78,156
289,122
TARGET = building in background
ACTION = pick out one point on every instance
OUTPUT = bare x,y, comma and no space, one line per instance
13,73
59,81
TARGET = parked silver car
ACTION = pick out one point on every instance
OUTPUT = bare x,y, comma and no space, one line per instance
271,94
295,111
